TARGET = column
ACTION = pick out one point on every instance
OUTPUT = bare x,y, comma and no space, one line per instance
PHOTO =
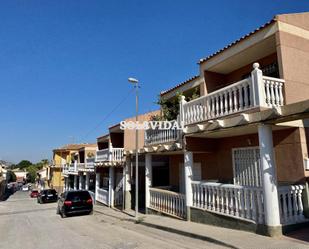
258,93
148,180
87,181
111,183
80,183
97,184
75,182
188,172
269,179
127,183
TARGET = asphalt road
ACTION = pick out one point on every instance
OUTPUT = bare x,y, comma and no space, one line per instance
26,224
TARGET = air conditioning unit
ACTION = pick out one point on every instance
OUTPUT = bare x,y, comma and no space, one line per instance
306,162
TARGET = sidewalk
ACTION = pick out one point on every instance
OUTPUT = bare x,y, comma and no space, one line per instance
221,236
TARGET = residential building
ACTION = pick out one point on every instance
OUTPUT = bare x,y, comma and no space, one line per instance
79,170
241,158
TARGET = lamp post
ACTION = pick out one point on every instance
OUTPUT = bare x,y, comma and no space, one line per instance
135,82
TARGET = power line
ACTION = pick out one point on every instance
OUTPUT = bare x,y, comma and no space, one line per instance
108,114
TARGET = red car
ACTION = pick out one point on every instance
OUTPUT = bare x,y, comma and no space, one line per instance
34,193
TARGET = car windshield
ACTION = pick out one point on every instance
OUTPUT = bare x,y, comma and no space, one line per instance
78,196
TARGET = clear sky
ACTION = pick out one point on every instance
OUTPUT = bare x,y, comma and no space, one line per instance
64,64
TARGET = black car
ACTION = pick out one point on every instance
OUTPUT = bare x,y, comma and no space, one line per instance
74,202
47,195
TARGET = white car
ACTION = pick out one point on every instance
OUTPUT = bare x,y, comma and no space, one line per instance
25,188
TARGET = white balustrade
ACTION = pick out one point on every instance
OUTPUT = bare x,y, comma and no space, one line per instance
168,202
231,200
72,167
90,163
102,196
80,166
237,97
114,154
273,91
290,204
117,154
156,136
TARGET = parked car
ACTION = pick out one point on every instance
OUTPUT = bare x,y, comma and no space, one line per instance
34,193
47,195
25,188
74,202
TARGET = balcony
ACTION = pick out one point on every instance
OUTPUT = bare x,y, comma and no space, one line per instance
111,154
257,91
156,136
90,163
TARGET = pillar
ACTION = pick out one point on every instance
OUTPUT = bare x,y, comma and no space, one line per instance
87,181
269,179
188,172
97,184
148,180
111,183
75,182
80,183
127,183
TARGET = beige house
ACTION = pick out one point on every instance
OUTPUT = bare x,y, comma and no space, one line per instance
241,159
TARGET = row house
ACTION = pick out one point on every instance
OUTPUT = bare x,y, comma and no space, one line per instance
79,170
114,174
241,159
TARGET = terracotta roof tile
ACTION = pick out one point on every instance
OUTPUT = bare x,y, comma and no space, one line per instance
180,84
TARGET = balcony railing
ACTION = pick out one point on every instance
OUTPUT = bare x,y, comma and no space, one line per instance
231,200
161,136
80,166
168,202
90,163
255,91
113,154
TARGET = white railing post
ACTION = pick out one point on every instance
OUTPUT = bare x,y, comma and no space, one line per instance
111,183
148,180
75,182
181,109
188,171
75,165
87,181
97,185
110,152
127,183
80,182
269,177
258,86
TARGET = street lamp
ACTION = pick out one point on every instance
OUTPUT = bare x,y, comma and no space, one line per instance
135,82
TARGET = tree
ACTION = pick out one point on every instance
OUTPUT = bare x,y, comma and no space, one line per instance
10,176
31,175
23,164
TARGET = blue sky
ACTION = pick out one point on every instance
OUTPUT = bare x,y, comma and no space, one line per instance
64,64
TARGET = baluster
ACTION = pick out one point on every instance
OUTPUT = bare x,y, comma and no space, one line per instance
221,105
267,86
242,203
236,198
253,204
232,211
226,207
281,100
217,113
300,204
230,93
272,93
294,196
235,99
246,102
208,109
226,111
277,101
240,98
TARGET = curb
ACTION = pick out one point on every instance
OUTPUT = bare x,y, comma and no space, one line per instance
187,234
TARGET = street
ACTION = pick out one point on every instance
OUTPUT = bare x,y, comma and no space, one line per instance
26,224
